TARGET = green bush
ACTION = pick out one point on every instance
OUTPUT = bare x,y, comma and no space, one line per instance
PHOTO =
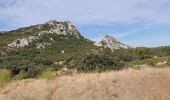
98,63
48,73
22,75
168,63
1,60
152,63
42,61
5,76
33,72
120,64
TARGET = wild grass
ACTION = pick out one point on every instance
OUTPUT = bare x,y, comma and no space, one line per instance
5,76
49,73
129,84
26,98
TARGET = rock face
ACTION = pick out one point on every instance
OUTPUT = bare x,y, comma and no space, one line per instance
112,43
42,45
61,28
22,42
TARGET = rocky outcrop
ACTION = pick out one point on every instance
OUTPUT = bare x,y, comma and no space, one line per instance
42,45
61,28
2,53
161,63
112,43
22,42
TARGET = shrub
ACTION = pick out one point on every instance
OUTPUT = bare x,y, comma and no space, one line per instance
120,64
168,63
98,63
22,75
33,72
48,73
1,60
5,76
152,63
42,61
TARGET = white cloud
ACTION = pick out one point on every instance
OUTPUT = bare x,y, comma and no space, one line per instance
25,12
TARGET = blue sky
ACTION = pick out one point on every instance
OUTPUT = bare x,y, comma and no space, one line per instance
134,22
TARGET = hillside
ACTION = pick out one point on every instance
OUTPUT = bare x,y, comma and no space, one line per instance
40,46
27,52
144,84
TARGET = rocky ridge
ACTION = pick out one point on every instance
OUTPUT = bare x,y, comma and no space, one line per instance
61,28
52,27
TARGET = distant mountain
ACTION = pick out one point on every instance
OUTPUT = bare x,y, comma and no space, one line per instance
112,43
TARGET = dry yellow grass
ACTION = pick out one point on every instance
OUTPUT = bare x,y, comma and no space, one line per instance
144,84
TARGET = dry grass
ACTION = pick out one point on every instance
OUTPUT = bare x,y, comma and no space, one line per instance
145,84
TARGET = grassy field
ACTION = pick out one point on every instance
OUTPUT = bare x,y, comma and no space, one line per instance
129,84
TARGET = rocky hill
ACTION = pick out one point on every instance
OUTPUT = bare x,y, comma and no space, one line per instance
112,43
38,47
52,27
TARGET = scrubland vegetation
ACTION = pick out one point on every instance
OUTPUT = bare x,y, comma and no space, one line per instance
79,54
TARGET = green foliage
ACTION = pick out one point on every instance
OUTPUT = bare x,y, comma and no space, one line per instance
26,97
22,75
34,71
49,73
5,76
98,63
168,63
1,60
149,61
42,61
31,72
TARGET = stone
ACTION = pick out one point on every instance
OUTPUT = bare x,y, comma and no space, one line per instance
22,42
42,45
